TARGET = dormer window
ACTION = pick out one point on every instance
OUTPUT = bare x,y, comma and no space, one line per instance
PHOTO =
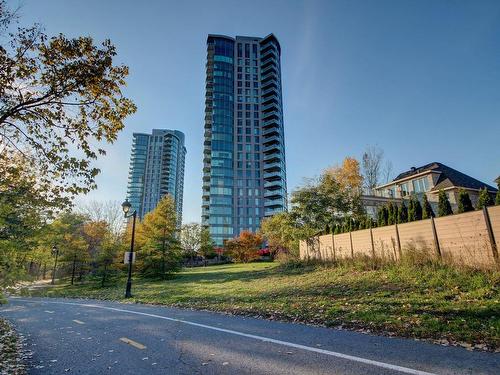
421,185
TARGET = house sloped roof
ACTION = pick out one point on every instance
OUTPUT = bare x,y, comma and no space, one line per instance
448,177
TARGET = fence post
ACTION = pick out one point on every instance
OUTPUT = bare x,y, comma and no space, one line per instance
373,245
494,249
399,241
352,250
436,239
333,245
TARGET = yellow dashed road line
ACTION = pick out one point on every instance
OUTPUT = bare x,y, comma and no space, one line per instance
133,343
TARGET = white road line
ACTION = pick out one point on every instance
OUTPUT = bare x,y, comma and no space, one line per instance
405,370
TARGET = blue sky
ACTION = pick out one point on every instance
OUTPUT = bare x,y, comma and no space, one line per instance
420,79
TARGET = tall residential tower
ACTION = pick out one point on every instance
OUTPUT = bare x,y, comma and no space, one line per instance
244,174
156,169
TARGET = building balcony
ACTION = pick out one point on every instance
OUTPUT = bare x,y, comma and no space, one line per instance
273,211
269,75
274,194
271,115
269,68
268,53
273,156
271,106
274,203
273,166
273,139
273,176
272,122
272,83
274,147
271,131
271,99
274,185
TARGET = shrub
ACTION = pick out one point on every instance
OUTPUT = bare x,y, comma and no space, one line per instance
444,206
484,199
427,211
464,202
402,213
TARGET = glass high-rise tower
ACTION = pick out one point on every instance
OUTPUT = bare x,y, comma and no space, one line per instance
244,173
156,169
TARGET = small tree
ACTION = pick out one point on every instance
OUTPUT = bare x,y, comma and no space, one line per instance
382,216
206,244
392,213
444,206
497,197
411,209
244,248
418,209
427,211
464,202
402,213
484,199
157,238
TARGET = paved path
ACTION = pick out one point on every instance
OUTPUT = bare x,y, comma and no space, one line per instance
97,337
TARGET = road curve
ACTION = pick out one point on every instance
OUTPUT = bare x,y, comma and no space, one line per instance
99,337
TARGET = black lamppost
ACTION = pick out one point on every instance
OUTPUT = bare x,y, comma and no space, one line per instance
126,208
55,252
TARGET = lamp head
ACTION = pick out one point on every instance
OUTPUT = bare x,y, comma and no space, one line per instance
126,206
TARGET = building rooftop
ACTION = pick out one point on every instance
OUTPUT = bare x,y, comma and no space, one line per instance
449,177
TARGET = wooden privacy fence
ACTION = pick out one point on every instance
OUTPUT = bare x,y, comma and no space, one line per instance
469,239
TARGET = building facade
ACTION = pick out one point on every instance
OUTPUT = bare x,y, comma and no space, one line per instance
156,169
244,173
429,179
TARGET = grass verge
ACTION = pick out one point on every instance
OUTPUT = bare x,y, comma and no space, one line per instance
436,302
10,351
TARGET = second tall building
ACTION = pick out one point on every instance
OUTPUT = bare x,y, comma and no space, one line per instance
244,173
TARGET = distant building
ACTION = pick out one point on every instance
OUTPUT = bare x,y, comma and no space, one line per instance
430,179
156,169
244,173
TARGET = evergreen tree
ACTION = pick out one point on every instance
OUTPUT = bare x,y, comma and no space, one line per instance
427,211
464,202
418,209
484,199
411,209
337,229
497,197
402,213
391,218
444,206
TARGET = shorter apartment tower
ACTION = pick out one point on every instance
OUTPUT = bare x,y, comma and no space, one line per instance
156,169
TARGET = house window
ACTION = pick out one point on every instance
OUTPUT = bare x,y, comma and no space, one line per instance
421,185
404,189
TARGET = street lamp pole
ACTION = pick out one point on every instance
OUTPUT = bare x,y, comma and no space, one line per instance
126,208
55,251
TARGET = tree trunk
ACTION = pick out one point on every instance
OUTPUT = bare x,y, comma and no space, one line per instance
163,245
104,275
73,271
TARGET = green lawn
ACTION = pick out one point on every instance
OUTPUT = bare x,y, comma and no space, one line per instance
429,301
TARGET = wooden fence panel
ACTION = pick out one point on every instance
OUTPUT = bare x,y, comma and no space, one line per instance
385,242
326,246
494,214
417,236
342,244
362,242
464,239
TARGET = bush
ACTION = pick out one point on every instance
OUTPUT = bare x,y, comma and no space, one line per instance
484,199
427,211
444,206
464,202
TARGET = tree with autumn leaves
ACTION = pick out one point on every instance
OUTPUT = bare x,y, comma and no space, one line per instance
61,103
245,247
317,207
